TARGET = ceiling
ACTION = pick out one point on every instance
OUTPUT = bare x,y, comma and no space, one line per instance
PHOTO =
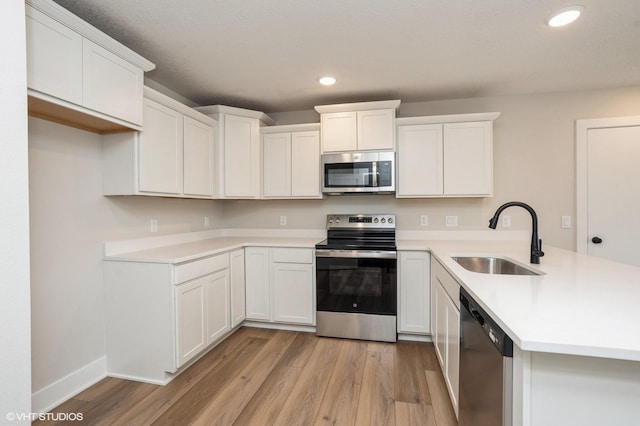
268,54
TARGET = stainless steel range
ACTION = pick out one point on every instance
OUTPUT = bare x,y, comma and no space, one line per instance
356,278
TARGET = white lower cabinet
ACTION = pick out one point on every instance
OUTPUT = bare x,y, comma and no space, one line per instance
445,327
280,285
159,317
414,299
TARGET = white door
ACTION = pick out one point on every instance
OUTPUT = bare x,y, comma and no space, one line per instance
218,316
237,287
420,160
276,164
468,158
258,283
415,293
376,129
339,131
190,319
609,188
293,293
241,156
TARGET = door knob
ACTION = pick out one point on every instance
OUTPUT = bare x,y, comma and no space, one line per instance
596,240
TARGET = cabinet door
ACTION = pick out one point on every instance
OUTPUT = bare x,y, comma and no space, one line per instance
218,316
293,293
414,293
160,150
420,160
305,164
452,351
258,283
276,164
111,85
198,158
468,158
241,157
191,320
339,131
237,288
54,57
376,129
440,335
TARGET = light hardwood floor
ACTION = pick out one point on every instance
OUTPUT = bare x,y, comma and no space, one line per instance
268,377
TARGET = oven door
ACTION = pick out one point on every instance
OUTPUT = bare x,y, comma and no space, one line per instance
356,281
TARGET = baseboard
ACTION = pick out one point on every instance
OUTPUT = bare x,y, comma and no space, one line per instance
278,326
61,390
414,337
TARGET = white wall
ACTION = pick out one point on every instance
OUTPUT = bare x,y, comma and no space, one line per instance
534,162
15,370
70,220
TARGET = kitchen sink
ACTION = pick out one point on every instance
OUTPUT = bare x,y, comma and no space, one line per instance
493,265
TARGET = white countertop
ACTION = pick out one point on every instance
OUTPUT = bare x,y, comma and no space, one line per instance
582,305
192,250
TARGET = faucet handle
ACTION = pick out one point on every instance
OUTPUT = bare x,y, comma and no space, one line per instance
539,251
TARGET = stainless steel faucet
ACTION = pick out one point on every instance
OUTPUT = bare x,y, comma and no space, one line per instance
536,243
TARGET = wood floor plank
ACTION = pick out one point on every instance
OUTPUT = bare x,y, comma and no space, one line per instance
414,414
188,407
440,401
376,403
227,405
266,404
340,401
411,383
153,406
303,403
429,357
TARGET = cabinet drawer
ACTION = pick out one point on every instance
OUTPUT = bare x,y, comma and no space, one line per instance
191,270
292,255
447,282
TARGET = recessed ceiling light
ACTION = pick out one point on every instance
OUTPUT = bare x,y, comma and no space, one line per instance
565,16
327,81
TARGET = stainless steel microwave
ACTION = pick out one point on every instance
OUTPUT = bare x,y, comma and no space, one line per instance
359,172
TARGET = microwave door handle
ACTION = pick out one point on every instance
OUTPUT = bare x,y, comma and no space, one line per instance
374,174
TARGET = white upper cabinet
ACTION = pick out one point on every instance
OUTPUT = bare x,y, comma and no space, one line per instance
79,76
468,158
237,152
111,85
160,150
291,161
198,157
446,159
54,57
173,156
358,126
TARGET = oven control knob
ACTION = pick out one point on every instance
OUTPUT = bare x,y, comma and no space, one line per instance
375,220
337,220
330,220
383,220
390,220
355,305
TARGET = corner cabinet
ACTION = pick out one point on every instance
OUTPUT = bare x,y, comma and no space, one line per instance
445,326
160,317
291,161
79,76
445,156
173,156
358,126
415,295
280,285
237,152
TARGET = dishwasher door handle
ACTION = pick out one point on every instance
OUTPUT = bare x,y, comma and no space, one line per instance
477,316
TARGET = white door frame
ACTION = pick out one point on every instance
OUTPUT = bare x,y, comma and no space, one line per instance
582,129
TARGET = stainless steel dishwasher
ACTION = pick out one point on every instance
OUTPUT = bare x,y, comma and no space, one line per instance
486,368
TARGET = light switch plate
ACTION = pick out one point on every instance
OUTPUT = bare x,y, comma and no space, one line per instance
451,221
283,220
506,221
424,220
566,222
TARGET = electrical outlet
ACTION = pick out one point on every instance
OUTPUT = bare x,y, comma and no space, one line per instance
153,225
206,221
283,220
506,221
451,220
424,220
566,222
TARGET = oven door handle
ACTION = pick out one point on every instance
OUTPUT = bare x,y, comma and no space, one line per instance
357,254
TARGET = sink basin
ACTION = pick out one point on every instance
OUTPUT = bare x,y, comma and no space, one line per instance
493,265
